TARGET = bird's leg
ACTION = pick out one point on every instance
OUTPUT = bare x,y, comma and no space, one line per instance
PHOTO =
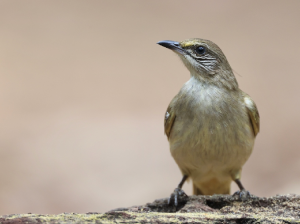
242,194
178,195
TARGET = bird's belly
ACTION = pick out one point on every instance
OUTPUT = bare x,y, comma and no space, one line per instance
208,148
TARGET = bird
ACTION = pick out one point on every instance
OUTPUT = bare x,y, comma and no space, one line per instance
211,124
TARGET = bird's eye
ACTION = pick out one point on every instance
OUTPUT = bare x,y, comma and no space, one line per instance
200,50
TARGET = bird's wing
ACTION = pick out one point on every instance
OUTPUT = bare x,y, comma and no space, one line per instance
169,120
252,112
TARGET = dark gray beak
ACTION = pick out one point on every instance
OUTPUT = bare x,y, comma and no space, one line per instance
173,45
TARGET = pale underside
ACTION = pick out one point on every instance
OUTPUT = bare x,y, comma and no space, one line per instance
211,134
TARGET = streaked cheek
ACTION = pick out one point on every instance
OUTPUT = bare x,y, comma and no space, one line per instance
190,62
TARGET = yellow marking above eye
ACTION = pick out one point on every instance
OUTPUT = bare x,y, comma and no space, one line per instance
189,43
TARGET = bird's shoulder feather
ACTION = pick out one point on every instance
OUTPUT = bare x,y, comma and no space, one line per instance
252,112
169,119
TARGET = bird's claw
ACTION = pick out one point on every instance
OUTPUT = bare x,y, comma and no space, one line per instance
242,195
177,197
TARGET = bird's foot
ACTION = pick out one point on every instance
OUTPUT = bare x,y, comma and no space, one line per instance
242,195
177,197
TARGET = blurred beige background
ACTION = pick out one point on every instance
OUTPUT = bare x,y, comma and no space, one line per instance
84,88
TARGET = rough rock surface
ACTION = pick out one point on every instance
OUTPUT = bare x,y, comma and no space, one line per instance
197,209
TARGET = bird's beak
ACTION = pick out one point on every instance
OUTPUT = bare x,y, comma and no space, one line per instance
173,45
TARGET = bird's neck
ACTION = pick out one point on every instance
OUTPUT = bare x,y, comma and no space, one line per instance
224,79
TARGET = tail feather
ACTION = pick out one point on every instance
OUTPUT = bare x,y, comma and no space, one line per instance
212,187
196,190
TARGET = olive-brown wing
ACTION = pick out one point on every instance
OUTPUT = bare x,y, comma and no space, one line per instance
253,113
169,120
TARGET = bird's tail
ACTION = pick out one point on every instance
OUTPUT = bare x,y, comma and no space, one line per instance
212,187
196,190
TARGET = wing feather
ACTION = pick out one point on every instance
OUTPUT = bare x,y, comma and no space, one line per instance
253,113
169,121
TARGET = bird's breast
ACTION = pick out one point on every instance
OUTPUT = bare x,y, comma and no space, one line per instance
211,126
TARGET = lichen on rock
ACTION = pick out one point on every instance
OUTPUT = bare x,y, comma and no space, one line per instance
197,209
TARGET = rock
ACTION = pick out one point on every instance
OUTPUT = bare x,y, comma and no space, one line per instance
198,209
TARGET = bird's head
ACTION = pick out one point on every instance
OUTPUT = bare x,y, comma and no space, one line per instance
205,60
